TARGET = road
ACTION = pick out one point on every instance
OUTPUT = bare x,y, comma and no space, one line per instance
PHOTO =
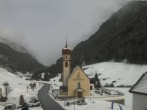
46,102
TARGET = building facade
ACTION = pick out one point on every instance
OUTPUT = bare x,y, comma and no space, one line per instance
66,52
139,91
76,83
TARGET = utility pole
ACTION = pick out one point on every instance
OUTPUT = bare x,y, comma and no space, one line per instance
6,89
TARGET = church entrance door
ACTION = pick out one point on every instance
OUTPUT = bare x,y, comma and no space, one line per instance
80,94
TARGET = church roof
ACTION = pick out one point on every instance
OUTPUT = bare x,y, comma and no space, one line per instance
75,70
140,87
66,49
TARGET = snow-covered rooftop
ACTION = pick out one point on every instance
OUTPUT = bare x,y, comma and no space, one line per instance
67,48
141,85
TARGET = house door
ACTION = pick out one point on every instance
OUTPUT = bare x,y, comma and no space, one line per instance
80,94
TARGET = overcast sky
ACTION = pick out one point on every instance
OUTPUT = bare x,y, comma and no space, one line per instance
42,25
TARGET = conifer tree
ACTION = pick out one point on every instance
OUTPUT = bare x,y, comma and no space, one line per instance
97,81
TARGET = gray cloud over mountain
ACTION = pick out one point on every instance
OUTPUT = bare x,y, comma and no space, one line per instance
42,25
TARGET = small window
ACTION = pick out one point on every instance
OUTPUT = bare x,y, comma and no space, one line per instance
65,57
66,64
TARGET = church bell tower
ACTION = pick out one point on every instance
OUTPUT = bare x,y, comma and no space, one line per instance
66,52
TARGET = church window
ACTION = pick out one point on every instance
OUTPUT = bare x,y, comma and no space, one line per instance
79,85
66,64
66,57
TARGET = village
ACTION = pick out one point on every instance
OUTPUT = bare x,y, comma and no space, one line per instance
72,90
73,55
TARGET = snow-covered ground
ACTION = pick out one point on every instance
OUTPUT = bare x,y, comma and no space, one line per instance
123,74
128,96
18,86
94,103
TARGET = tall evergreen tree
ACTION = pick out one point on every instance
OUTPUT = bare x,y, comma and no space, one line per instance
97,81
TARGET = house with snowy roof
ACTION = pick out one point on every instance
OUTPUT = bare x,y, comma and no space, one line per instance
139,91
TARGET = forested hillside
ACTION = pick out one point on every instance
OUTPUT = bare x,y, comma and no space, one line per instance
123,37
16,61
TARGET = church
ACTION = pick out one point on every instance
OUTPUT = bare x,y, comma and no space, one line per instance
75,83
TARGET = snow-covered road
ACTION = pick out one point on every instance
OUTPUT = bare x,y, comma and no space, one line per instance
47,102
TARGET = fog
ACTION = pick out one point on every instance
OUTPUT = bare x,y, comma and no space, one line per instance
41,26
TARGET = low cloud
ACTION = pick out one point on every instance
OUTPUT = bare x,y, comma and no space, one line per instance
41,26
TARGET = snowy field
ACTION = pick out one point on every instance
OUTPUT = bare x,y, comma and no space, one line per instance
123,74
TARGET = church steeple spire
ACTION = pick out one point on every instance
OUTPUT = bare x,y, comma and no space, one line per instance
66,43
66,64
66,49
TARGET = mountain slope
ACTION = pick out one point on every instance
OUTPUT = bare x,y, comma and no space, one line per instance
14,60
121,38
15,82
119,73
13,45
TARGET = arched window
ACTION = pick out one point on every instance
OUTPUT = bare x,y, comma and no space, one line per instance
66,57
66,64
